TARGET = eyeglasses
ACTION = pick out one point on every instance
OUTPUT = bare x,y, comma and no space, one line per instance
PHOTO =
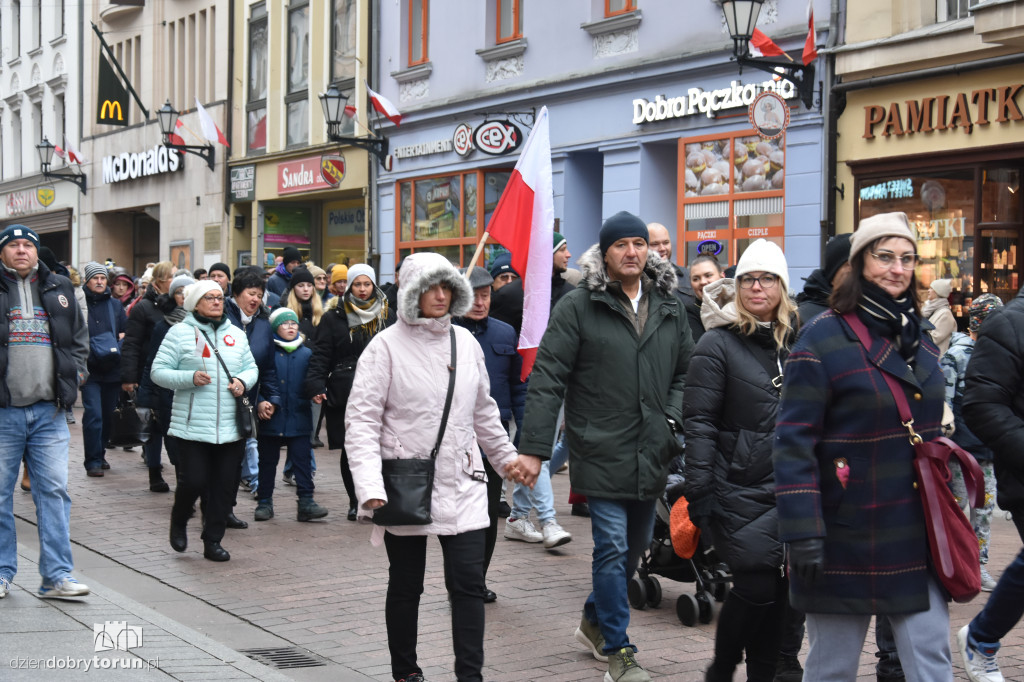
289,323
212,299
766,281
888,259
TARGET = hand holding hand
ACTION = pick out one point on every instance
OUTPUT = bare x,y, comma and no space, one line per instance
265,410
318,399
129,387
374,504
807,559
201,378
524,469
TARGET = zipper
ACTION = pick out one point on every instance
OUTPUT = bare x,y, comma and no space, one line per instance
191,400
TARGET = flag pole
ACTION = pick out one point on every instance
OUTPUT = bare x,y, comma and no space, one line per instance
476,254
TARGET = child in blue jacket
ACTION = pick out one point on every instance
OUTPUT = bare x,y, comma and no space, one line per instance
289,426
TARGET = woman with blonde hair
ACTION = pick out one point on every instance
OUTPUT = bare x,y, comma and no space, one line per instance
303,301
729,409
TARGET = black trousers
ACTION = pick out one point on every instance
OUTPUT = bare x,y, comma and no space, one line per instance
494,483
463,569
207,470
750,622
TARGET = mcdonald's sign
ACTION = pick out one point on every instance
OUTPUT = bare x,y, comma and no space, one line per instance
111,97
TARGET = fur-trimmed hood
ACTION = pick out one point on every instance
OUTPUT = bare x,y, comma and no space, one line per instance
719,304
420,271
595,274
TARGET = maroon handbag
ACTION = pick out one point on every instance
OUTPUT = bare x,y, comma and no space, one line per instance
951,538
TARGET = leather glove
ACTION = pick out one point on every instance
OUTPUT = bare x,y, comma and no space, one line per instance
807,559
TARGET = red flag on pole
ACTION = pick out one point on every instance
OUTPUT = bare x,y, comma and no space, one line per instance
810,44
763,46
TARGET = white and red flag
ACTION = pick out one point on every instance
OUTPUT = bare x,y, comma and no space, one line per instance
384,106
523,222
73,155
210,130
202,348
175,137
811,43
763,46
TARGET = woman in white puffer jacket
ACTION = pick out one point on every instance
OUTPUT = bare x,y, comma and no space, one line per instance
394,412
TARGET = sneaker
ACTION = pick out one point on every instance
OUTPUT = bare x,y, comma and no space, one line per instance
554,535
69,417
622,667
288,478
68,588
988,583
589,635
264,511
317,443
979,659
415,677
245,485
309,510
5,587
787,669
522,529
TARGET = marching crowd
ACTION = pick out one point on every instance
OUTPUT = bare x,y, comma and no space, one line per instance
797,465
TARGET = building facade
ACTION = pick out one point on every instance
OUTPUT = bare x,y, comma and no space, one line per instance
647,114
40,94
932,125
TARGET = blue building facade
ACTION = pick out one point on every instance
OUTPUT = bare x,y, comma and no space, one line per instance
647,114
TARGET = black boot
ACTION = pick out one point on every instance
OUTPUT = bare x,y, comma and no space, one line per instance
157,484
235,522
214,552
179,537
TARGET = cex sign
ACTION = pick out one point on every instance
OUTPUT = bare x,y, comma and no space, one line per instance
303,175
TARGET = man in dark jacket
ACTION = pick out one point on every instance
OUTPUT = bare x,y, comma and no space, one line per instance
616,350
661,244
282,277
45,346
107,324
813,300
993,407
507,302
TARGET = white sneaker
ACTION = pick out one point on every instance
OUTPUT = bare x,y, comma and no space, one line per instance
555,535
288,478
5,587
987,582
68,588
522,529
979,659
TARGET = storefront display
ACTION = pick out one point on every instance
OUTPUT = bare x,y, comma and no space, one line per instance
286,226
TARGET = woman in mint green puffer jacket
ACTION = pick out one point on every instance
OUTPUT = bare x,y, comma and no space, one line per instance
204,409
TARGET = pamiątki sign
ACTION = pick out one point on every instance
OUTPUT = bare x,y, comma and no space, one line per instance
944,112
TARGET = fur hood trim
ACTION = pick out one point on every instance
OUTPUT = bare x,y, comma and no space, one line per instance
719,306
420,271
595,275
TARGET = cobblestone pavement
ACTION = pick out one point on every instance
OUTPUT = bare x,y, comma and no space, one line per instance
320,586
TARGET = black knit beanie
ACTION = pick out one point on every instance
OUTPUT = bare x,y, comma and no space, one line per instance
621,226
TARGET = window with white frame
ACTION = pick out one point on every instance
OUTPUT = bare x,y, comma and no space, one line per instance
297,99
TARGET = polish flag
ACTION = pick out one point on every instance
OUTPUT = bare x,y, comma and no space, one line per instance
523,222
175,137
810,44
350,111
73,155
202,348
210,130
384,106
763,46
59,151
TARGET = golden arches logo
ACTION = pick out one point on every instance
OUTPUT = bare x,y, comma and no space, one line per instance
109,108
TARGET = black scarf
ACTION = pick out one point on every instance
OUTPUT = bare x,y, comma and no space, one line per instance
214,322
891,318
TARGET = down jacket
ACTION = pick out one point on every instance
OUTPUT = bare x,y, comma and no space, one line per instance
398,396
994,398
729,412
203,413
620,387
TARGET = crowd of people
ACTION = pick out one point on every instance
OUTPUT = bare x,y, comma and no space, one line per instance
797,468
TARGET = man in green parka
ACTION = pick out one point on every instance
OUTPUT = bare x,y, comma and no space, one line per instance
616,350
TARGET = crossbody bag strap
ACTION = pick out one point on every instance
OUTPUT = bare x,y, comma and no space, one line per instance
448,398
113,317
217,353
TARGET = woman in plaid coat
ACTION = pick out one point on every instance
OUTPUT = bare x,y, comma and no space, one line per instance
845,483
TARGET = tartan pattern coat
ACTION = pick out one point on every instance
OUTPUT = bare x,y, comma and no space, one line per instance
844,468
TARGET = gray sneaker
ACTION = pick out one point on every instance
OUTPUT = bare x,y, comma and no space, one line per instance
5,586
68,588
622,667
988,583
523,530
589,635
555,535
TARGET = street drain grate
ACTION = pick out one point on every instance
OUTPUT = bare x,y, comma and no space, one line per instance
284,657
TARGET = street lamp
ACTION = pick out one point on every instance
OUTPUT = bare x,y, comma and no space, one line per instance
741,19
167,117
333,103
45,150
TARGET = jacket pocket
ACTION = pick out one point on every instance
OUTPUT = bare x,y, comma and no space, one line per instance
473,464
390,446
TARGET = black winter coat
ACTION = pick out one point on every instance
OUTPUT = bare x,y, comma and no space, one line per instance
729,411
813,300
993,404
144,316
261,345
507,302
100,320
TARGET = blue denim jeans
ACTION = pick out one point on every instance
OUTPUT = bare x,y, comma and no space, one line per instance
622,530
1005,605
559,456
251,462
40,433
99,400
542,497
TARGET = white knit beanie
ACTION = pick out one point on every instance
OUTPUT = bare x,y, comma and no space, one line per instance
361,269
194,292
942,287
764,256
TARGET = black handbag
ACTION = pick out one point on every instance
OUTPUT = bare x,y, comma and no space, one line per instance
245,419
409,483
128,426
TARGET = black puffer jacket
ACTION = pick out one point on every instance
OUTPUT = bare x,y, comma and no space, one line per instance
993,403
135,347
729,411
813,300
507,302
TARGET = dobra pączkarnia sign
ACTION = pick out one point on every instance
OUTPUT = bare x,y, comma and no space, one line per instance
944,112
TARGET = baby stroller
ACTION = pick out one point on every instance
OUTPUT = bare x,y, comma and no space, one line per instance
711,577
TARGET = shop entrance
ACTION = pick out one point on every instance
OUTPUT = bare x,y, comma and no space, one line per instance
145,241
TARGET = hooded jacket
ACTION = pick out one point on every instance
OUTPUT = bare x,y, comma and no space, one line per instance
398,396
729,411
620,386
937,312
813,300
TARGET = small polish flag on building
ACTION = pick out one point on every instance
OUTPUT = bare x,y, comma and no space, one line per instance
73,155
811,43
763,46
523,222
175,137
384,106
210,130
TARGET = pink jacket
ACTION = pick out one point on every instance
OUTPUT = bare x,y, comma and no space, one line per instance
398,394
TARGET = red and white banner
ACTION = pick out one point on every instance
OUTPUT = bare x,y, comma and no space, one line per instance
811,43
383,105
763,46
202,348
210,130
523,222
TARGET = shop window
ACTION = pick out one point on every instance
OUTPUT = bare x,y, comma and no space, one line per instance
256,101
418,31
345,232
948,10
510,20
614,7
443,213
732,194
297,99
285,225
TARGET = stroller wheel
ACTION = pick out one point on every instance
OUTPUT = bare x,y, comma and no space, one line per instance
637,593
704,606
653,591
721,585
687,609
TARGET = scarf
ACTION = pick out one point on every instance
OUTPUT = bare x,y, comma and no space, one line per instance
213,322
890,318
176,315
933,306
289,346
369,316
